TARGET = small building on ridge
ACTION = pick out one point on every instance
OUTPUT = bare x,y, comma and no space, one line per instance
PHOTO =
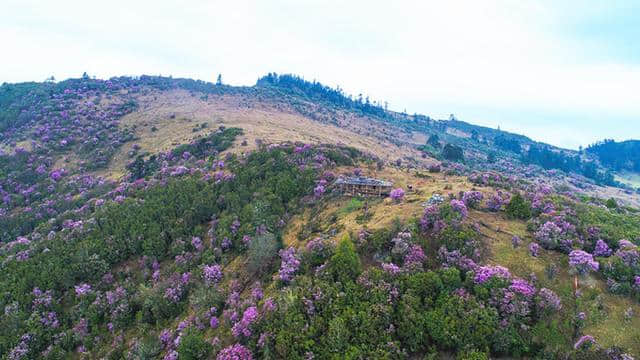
363,186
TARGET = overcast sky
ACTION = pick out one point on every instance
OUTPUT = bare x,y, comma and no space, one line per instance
564,72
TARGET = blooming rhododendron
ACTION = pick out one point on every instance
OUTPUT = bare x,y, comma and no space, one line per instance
584,342
414,257
82,289
289,264
459,207
485,273
397,194
212,274
602,249
243,327
548,300
235,352
319,190
472,198
533,249
391,268
582,262
523,287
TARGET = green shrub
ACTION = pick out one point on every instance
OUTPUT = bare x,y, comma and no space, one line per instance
458,324
518,207
344,265
193,346
263,250
472,355
453,152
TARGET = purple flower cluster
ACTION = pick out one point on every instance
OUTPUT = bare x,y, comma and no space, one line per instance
235,352
391,268
21,350
472,198
212,274
431,219
533,249
548,300
42,298
582,262
176,288
456,259
498,200
602,249
320,247
289,265
585,341
516,241
460,208
319,190
82,290
484,273
414,257
243,327
522,287
196,242
397,195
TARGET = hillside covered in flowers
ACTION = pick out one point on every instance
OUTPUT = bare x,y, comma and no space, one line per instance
160,218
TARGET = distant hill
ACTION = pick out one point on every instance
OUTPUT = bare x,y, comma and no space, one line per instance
618,156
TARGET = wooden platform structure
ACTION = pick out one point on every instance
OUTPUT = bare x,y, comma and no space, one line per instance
363,186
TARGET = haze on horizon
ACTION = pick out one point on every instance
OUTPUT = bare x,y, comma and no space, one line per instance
566,73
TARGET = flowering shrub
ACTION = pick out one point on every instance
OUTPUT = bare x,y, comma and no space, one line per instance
498,200
318,251
289,264
397,195
585,342
212,274
235,352
319,190
472,198
243,327
556,235
533,249
522,287
547,301
602,249
459,207
582,262
82,289
414,258
516,241
484,273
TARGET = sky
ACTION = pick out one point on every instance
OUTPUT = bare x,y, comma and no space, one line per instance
562,72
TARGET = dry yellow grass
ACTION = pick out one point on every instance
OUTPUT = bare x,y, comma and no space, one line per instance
175,113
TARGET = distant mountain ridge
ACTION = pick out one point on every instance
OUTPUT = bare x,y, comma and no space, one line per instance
319,102
624,155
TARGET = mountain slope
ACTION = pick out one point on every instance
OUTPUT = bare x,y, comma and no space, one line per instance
168,218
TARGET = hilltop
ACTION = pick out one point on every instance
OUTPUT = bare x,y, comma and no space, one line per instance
153,217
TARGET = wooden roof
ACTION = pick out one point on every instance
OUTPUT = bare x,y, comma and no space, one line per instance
361,180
